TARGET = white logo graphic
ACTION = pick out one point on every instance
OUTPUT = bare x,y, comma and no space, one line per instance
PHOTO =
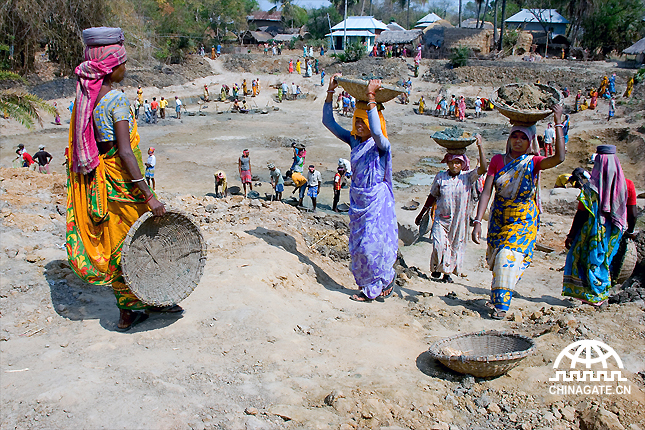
588,355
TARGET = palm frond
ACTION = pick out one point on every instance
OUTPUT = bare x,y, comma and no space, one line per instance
24,107
6,75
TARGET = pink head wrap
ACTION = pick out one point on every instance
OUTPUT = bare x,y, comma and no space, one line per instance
531,133
100,61
464,160
608,180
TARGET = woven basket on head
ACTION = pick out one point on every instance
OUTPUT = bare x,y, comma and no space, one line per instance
524,117
358,89
163,258
483,354
624,261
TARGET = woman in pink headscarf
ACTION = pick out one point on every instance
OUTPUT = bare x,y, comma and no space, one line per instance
514,215
451,191
106,191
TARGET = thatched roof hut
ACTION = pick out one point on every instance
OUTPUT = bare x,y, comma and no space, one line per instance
636,48
390,37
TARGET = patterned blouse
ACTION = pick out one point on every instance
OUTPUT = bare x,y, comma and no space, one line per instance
112,107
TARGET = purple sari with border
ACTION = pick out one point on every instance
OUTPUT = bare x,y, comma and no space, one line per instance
373,239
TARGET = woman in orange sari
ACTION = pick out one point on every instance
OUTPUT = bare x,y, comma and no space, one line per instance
106,191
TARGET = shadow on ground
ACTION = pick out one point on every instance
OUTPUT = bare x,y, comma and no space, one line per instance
78,301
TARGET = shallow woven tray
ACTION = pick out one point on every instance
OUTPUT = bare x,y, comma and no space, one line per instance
461,143
163,258
358,89
524,117
484,354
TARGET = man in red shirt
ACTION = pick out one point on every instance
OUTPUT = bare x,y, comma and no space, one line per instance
154,107
338,184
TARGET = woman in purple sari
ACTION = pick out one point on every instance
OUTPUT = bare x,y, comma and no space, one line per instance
373,237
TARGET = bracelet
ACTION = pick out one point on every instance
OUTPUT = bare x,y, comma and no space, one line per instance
559,125
371,92
137,180
149,198
331,91
476,221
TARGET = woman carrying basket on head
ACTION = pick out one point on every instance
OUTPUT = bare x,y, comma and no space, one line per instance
106,191
373,238
513,223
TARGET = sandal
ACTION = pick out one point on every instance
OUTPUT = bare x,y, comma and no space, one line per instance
387,293
360,297
138,317
172,309
496,314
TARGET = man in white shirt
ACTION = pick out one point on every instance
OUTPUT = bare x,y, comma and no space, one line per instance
178,107
314,180
549,139
294,90
150,168
478,107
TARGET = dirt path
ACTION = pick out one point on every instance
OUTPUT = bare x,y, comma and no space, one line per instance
269,338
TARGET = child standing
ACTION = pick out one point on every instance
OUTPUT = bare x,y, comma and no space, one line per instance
150,167
451,191
277,182
338,184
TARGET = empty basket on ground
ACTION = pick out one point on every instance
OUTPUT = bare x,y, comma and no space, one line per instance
524,117
483,354
357,88
163,258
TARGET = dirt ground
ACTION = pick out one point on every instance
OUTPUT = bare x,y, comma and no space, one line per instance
269,339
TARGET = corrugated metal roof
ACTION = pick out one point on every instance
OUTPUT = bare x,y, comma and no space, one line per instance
546,15
393,26
428,19
352,33
636,48
361,23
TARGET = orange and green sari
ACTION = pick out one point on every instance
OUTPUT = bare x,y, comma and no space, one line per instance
101,208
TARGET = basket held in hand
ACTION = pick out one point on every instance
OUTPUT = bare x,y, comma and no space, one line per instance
163,258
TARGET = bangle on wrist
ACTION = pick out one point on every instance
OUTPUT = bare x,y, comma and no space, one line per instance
477,221
149,198
559,125
137,180
331,91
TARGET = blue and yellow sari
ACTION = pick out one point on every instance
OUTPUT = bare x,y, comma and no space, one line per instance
512,228
586,271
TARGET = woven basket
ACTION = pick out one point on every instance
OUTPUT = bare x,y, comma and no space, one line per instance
163,258
455,144
483,354
524,117
358,89
626,257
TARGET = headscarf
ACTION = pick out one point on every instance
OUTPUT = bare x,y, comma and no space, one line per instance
608,180
464,160
361,113
531,133
100,61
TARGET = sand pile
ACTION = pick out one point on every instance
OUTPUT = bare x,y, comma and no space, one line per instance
526,97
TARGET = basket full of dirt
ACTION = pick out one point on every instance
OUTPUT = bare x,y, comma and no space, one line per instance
358,89
454,139
483,354
525,104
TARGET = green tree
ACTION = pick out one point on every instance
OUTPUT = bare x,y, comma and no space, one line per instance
613,25
18,103
317,22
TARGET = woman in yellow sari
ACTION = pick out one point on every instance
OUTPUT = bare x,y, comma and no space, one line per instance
514,214
106,191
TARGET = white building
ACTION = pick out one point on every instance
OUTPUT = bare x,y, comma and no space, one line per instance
427,20
362,29
527,20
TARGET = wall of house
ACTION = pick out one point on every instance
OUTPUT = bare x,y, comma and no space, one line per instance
479,40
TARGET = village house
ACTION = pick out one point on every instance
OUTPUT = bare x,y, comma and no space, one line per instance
362,29
527,20
427,20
